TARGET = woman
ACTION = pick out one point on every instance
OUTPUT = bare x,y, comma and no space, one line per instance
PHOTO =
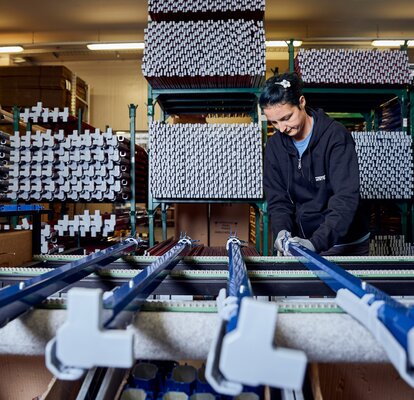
311,176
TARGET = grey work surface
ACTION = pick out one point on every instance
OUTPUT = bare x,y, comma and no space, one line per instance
173,335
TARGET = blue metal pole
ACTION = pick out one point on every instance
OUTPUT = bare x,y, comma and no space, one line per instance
16,299
398,318
143,284
243,351
238,283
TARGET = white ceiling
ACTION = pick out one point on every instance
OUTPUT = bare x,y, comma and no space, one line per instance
59,29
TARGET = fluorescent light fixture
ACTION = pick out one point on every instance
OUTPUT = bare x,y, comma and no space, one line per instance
11,49
389,43
116,46
282,43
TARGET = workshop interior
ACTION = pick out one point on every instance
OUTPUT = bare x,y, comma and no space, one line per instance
143,191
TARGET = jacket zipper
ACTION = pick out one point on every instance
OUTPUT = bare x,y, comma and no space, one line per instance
301,227
300,163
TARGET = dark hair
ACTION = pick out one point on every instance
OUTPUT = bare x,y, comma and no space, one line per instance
275,93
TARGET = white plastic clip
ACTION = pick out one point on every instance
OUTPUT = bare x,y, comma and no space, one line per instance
247,356
367,314
81,342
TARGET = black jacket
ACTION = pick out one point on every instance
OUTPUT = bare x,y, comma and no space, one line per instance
315,197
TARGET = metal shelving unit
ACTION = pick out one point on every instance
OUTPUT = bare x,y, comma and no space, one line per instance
203,101
213,101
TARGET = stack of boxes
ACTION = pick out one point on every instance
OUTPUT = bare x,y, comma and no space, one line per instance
54,86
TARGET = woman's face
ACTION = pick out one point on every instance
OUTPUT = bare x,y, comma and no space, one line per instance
289,119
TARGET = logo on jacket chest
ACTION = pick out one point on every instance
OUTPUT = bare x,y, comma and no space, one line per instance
320,178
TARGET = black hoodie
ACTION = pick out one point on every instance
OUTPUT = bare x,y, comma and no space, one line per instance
316,196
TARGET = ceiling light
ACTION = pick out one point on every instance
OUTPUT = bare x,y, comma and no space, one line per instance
11,49
116,46
388,43
282,43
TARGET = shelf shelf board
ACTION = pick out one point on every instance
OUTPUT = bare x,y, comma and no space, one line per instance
351,99
207,101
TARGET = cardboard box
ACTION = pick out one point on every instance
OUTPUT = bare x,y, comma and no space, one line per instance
55,98
21,97
188,119
341,381
226,218
10,70
23,377
48,71
213,229
26,86
193,220
15,248
17,82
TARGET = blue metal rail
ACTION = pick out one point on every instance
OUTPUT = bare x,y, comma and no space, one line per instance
20,207
16,299
238,285
243,351
89,315
143,284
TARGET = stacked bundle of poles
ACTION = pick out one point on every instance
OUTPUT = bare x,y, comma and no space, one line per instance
203,54
205,9
206,161
390,245
353,67
4,164
386,164
92,166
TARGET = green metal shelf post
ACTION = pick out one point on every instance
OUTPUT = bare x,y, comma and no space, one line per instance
376,121
404,110
265,217
132,118
291,50
368,121
16,118
80,121
164,220
403,206
151,206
